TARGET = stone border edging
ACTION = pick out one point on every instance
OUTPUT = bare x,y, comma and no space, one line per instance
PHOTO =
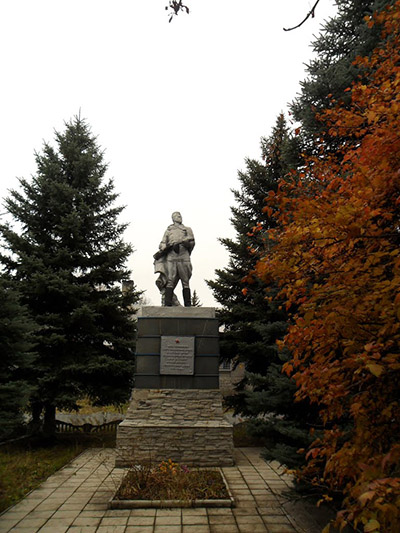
167,504
115,503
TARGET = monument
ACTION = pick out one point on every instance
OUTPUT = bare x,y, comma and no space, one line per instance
172,262
176,405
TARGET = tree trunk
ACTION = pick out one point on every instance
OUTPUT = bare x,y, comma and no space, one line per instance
35,424
49,424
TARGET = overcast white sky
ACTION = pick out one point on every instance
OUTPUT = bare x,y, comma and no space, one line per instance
177,107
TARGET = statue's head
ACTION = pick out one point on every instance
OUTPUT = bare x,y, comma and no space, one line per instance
177,217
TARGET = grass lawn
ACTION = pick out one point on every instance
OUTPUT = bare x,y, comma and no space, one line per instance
24,465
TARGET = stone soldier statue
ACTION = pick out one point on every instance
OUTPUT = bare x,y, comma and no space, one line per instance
172,261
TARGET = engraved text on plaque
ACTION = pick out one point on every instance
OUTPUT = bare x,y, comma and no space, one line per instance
177,355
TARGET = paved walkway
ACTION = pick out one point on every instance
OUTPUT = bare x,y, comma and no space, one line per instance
74,500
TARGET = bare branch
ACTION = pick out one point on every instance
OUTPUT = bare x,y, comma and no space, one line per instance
310,14
176,6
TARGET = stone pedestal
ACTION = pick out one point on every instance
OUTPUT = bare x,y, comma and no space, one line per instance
176,407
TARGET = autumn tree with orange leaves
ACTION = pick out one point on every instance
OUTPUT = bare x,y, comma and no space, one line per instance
337,258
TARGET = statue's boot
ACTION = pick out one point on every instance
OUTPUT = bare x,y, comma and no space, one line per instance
168,296
187,298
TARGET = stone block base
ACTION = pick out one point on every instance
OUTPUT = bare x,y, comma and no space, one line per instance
187,426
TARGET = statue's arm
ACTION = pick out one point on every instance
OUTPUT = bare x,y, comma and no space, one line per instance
189,241
164,242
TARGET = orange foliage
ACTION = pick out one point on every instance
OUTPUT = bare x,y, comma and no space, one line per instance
337,257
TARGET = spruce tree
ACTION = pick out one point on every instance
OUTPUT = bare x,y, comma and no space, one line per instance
68,258
244,306
16,361
195,300
342,38
252,317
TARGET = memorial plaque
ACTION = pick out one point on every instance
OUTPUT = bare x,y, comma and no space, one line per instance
177,355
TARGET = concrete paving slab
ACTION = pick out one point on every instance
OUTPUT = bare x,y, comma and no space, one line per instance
86,521
169,512
195,512
168,521
141,521
195,529
222,519
81,529
193,520
139,529
75,499
167,529
142,512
